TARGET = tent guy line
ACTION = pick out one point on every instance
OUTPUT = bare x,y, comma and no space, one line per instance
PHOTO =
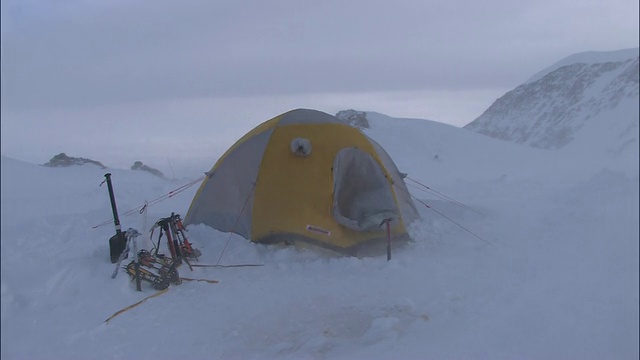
448,218
441,195
142,208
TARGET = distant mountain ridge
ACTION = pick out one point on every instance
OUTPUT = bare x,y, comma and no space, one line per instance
547,111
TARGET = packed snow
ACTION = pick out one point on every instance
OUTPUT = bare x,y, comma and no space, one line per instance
537,258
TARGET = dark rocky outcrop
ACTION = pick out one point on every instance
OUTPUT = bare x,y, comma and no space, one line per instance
62,160
354,118
138,165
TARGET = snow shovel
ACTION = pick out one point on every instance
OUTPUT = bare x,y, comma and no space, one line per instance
118,242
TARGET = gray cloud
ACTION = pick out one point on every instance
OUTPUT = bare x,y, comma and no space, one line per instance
87,53
125,80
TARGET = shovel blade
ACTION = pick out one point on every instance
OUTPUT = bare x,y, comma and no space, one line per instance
117,244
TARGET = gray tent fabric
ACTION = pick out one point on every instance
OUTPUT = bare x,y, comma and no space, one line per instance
229,196
307,116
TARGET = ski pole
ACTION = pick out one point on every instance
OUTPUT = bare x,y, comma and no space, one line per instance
179,242
187,244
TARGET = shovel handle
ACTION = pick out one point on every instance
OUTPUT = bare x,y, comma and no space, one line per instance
112,198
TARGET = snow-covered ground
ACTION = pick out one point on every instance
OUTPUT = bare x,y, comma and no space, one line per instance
559,280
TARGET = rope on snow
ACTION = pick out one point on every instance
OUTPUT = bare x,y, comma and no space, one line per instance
136,304
226,266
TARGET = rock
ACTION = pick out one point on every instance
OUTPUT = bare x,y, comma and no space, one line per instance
62,160
354,118
138,165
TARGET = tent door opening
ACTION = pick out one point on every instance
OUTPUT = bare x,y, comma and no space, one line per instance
362,196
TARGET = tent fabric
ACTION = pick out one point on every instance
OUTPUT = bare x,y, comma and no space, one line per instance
407,207
305,176
362,197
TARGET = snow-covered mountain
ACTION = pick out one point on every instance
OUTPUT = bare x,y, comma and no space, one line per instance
549,111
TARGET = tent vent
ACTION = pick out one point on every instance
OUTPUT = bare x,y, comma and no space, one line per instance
301,147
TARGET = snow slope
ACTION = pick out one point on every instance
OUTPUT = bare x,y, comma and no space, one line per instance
550,109
587,57
559,280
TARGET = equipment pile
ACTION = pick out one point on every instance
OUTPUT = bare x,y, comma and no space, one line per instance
159,271
151,266
155,268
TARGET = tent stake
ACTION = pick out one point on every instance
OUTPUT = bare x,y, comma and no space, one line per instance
388,222
388,241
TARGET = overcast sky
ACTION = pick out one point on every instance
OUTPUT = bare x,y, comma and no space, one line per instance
162,77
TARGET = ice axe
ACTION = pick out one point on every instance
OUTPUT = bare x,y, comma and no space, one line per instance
118,242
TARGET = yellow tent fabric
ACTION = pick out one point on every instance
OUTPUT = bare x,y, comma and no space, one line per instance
305,176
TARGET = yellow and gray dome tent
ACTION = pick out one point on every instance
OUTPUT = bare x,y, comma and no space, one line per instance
305,176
